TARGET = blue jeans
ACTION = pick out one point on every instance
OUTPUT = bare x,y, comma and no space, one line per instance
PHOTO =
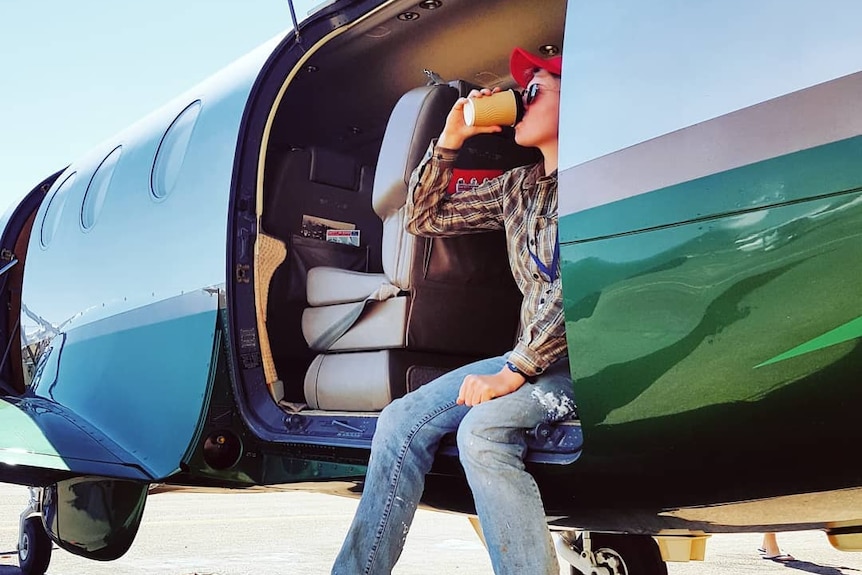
491,444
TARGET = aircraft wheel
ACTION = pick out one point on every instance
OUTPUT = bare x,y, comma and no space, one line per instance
626,555
34,548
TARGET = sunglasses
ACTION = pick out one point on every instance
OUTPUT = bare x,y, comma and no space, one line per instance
532,92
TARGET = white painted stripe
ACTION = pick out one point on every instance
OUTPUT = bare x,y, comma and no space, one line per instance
825,113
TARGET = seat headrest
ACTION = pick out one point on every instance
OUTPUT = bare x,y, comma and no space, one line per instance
333,169
418,117
300,178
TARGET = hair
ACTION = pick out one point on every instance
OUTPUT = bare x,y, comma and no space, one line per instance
530,72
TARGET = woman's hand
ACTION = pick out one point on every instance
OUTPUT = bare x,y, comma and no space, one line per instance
456,131
480,388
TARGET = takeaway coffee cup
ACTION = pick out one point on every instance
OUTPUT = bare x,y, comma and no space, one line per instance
499,109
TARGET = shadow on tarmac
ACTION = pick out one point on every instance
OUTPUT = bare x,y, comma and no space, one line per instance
805,566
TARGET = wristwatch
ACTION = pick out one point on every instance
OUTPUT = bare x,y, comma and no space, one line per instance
514,368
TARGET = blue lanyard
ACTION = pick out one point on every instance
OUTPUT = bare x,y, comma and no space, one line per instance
550,271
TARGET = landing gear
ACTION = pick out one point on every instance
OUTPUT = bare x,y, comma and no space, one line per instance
610,554
34,545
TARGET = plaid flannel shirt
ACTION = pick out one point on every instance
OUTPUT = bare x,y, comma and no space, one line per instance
523,202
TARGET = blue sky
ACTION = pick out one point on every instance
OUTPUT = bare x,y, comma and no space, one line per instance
655,67
75,72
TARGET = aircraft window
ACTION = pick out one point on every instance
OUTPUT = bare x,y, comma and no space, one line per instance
172,151
94,197
55,208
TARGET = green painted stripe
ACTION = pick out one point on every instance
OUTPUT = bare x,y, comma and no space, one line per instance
800,176
846,332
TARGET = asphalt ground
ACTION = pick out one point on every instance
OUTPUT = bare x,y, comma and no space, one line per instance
298,533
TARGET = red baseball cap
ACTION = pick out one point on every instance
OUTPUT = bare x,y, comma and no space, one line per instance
522,64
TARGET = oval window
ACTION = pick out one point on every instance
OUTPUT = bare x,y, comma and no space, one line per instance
94,197
172,151
55,209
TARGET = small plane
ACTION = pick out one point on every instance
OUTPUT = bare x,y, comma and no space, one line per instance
198,300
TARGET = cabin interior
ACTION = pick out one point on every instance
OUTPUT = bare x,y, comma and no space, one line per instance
356,311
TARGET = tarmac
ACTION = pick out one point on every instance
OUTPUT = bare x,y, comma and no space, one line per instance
298,533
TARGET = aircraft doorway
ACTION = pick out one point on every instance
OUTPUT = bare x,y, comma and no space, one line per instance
342,131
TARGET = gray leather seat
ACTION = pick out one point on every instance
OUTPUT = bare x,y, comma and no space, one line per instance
320,183
439,302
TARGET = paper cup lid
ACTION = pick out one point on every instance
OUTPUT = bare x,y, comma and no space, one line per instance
469,113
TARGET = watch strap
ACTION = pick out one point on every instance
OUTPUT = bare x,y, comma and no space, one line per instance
514,368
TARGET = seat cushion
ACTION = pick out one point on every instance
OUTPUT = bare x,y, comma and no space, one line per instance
350,382
370,380
382,325
331,286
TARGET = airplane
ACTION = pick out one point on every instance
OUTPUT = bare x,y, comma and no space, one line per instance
198,299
